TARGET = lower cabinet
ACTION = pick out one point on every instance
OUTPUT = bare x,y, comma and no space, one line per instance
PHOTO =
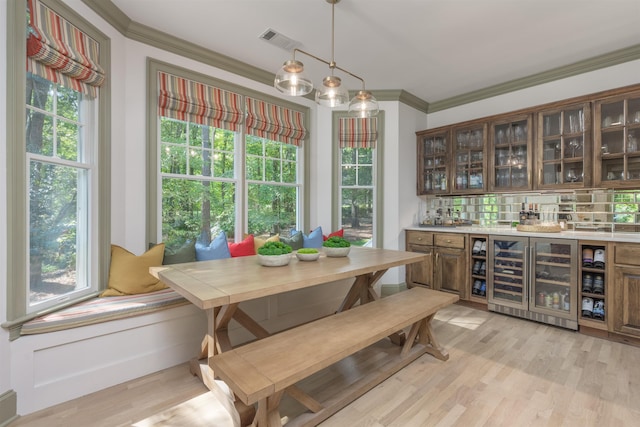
420,273
446,266
626,290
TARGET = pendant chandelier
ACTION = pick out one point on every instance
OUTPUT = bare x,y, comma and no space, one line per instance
291,80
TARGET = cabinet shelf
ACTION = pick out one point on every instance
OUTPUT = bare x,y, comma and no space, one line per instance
554,282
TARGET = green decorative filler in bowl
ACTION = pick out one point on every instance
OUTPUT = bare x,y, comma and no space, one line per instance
308,254
274,254
336,247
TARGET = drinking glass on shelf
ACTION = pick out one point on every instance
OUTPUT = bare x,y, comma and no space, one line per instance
574,145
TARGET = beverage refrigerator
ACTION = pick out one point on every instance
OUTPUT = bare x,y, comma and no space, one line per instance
534,278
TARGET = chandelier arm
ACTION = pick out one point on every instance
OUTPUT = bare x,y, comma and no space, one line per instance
330,64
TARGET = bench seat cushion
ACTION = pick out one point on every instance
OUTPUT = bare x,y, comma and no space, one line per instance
103,309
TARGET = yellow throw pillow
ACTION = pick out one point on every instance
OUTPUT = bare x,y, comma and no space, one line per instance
129,273
259,242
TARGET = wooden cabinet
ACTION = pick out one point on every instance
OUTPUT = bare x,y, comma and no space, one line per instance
470,159
512,160
626,290
446,266
617,130
434,152
420,273
591,141
564,147
450,263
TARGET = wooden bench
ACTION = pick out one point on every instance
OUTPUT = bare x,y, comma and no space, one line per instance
263,370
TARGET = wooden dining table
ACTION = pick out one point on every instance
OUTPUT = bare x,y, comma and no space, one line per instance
219,286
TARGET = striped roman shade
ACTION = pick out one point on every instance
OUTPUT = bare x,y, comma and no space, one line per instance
61,53
191,101
356,132
270,121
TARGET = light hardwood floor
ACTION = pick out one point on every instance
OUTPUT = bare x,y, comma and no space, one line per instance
502,371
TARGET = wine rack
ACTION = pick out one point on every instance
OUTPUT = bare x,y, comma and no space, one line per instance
478,267
592,287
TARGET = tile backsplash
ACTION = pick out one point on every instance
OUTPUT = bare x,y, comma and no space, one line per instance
594,210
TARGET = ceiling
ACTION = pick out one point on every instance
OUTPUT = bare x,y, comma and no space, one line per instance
433,49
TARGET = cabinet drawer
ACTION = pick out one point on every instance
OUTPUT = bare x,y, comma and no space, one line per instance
627,254
449,240
419,238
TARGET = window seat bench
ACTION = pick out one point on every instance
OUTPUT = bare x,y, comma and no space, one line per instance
103,309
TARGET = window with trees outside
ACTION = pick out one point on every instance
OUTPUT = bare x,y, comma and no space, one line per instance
61,166
227,162
58,159
198,181
358,195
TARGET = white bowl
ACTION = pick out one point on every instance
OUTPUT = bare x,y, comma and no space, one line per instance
274,260
336,252
308,257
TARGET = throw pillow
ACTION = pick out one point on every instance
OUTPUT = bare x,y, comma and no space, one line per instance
217,249
244,248
313,240
339,233
259,242
129,274
295,241
185,253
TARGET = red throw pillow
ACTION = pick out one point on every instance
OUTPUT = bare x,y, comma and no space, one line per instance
244,248
339,233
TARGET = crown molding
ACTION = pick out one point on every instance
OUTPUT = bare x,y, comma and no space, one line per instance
144,34
616,57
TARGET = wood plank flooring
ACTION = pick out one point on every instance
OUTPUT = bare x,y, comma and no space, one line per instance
502,371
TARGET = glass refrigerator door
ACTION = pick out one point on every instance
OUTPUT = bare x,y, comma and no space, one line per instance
553,273
508,273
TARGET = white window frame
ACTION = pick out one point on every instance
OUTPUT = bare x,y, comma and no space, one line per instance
377,179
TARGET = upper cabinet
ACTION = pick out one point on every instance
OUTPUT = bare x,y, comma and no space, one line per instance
563,147
584,142
469,159
512,161
617,129
434,152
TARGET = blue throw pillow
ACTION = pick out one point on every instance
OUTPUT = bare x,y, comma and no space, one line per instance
218,249
314,239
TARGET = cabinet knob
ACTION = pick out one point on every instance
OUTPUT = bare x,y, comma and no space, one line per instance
419,238
448,240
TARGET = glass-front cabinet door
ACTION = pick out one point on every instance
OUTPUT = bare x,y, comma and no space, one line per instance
507,271
564,147
434,151
617,147
469,159
554,278
510,142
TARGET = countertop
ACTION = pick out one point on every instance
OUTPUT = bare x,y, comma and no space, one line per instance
508,231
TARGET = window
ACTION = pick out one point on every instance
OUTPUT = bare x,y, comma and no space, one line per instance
358,195
198,185
61,167
225,161
273,186
58,162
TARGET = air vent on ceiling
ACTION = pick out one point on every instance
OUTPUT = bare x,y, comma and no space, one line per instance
280,40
